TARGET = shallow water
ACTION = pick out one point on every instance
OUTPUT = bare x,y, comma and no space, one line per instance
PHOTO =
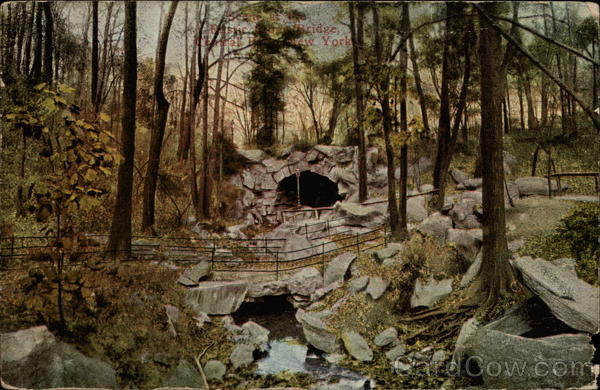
292,356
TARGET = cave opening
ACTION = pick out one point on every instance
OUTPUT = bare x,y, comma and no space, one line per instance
315,190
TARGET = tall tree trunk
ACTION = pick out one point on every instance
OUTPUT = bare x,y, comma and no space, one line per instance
418,86
531,118
158,130
495,275
119,242
521,108
30,24
204,201
184,136
21,36
356,32
403,187
94,86
36,69
384,99
102,76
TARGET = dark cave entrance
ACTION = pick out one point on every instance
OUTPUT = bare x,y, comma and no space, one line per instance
315,190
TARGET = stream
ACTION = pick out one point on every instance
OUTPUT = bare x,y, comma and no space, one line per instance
289,351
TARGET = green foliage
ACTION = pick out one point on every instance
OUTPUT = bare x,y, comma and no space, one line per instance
576,236
75,150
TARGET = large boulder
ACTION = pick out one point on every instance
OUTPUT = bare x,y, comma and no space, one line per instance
305,282
216,297
391,250
534,185
429,292
466,242
560,361
33,358
254,156
338,267
570,299
242,355
192,276
472,271
415,209
297,247
458,176
387,337
463,214
268,288
435,226
252,334
214,370
356,214
316,332
357,346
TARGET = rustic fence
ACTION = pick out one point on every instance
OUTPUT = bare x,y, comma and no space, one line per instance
263,255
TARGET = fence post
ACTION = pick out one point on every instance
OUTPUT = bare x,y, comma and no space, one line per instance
277,264
12,246
384,235
212,256
266,245
357,245
306,230
323,258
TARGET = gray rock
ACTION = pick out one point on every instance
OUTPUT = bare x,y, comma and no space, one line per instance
255,155
396,352
428,293
230,325
269,288
463,214
297,247
216,297
415,209
33,358
321,292
435,226
377,287
391,250
338,267
316,332
184,374
388,336
358,284
242,355
214,370
356,214
253,334
305,282
573,301
458,176
466,242
192,276
534,185
472,184
565,263
463,342
560,361
172,318
515,245
357,346
439,356
201,318
471,272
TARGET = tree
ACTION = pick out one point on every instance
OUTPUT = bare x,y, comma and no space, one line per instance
158,129
119,242
495,278
36,68
357,36
48,43
94,86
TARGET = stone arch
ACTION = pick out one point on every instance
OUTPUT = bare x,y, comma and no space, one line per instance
316,190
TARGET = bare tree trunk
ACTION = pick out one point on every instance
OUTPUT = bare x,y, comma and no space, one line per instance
36,69
119,242
384,99
27,59
402,191
521,108
94,87
356,32
417,76
158,130
183,147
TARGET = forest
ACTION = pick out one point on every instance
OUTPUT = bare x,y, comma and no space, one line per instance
304,195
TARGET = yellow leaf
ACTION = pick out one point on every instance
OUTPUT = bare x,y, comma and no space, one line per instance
105,170
39,87
90,175
49,104
104,117
65,88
